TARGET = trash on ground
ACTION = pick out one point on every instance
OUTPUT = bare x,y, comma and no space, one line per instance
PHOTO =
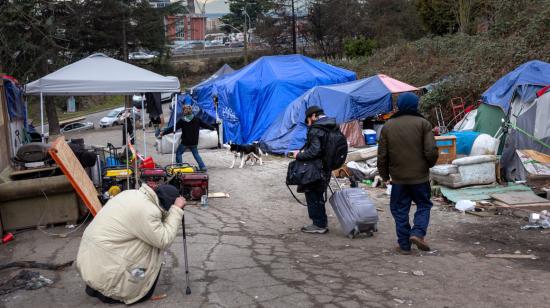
538,221
218,195
158,297
25,280
418,273
512,256
465,205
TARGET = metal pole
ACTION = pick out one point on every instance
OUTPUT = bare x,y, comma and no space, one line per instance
188,289
136,184
174,110
143,123
245,40
42,115
293,29
126,137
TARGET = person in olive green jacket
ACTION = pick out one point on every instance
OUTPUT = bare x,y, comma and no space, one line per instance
406,152
120,254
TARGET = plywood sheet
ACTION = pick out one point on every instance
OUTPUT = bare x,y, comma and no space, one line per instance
515,198
71,167
538,156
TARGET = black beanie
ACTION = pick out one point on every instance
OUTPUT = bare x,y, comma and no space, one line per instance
314,110
167,195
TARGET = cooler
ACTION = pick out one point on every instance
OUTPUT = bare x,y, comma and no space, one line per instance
370,136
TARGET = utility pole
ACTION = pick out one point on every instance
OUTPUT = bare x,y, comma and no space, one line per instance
245,42
293,29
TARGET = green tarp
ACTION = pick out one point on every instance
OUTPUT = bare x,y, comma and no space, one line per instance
488,119
478,193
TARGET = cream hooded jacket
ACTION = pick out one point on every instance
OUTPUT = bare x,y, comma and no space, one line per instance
120,251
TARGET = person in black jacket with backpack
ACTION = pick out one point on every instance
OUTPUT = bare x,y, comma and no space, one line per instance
315,149
190,127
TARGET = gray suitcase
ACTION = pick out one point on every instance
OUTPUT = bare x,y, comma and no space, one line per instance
355,211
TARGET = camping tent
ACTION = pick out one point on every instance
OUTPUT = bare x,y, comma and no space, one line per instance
202,92
99,75
346,102
519,86
251,98
533,134
512,99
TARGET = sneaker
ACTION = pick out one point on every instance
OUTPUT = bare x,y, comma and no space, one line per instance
420,243
314,229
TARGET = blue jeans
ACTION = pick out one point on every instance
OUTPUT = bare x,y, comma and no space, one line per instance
181,149
400,205
316,208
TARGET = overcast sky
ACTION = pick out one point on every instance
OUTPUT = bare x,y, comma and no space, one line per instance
216,6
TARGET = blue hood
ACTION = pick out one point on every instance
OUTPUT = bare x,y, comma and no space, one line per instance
407,102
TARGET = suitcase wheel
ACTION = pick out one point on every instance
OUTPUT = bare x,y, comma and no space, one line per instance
354,233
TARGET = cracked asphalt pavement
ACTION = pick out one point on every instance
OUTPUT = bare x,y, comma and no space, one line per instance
247,251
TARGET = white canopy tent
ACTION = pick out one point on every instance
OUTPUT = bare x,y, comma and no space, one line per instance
99,74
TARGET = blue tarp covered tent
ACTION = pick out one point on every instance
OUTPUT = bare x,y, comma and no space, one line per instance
521,83
202,92
346,102
183,99
252,98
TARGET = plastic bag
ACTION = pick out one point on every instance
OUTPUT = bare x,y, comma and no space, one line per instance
465,205
388,190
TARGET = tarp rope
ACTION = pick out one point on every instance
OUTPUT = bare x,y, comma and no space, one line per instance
514,126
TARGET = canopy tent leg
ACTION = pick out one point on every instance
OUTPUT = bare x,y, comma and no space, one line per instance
128,138
175,111
143,123
42,116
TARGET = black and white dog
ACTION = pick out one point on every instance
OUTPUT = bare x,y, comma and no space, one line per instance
246,152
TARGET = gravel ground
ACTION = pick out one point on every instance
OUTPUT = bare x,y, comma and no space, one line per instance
247,251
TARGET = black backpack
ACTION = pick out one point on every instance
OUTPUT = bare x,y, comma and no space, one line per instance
336,149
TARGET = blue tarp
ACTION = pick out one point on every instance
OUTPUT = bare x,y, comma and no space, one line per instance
185,99
202,92
346,102
464,141
253,97
14,100
524,81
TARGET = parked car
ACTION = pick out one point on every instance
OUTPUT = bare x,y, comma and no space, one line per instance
140,55
181,50
114,117
236,44
77,126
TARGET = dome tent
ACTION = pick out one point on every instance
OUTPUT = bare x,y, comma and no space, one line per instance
252,98
354,100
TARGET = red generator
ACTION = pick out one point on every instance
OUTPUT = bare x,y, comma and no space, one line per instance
153,177
193,186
